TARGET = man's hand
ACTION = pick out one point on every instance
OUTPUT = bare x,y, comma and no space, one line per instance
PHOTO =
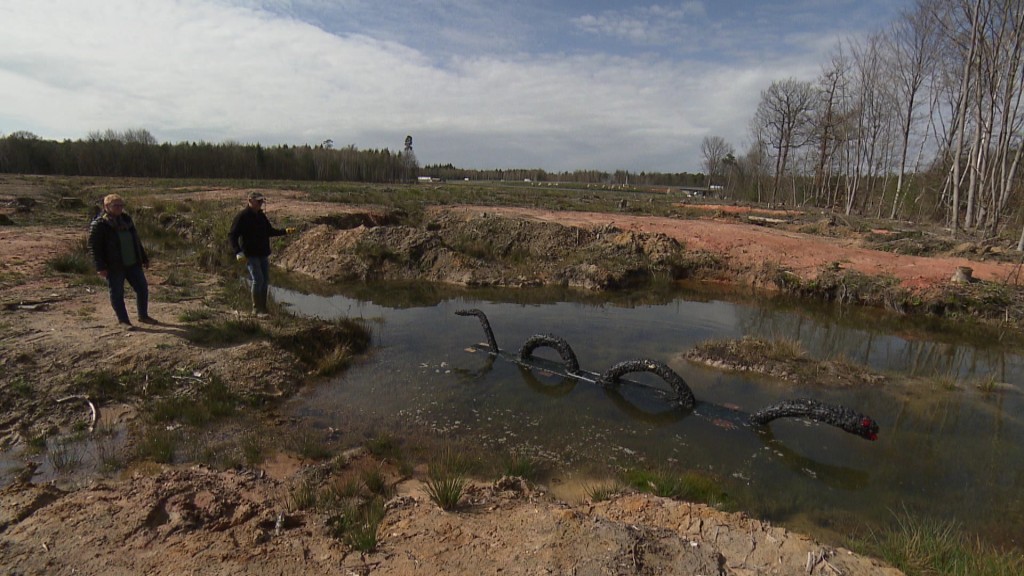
289,230
101,273
240,256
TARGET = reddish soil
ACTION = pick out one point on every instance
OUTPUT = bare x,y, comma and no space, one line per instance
748,246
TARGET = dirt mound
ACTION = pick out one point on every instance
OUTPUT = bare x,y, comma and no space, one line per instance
484,250
197,520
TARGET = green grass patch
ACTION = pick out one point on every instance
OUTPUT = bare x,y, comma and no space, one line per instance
224,332
446,489
211,402
21,387
921,547
100,385
446,479
158,444
384,446
63,455
375,481
303,495
357,524
195,315
522,466
253,447
327,347
689,486
310,444
74,261
602,491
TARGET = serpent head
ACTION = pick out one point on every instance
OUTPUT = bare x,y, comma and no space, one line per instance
863,426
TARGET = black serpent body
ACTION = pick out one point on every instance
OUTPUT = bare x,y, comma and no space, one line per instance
610,378
839,416
486,325
572,365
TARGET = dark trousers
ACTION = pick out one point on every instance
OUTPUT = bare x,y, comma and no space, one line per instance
136,278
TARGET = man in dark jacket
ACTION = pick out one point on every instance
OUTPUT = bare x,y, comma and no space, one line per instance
118,255
250,239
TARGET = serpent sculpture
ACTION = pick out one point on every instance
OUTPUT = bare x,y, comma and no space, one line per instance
682,396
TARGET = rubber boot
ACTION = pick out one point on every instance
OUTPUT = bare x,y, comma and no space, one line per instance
259,304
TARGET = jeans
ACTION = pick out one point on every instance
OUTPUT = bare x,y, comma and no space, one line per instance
136,278
259,273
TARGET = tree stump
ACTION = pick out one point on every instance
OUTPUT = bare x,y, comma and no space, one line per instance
70,202
963,275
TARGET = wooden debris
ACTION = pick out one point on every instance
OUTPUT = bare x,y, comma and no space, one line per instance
92,407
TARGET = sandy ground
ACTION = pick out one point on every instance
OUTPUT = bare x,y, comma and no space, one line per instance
193,520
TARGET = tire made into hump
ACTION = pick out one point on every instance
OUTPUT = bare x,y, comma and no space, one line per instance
839,416
610,378
572,365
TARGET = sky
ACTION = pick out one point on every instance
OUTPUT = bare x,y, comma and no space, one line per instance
557,85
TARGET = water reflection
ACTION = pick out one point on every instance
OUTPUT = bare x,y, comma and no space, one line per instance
947,452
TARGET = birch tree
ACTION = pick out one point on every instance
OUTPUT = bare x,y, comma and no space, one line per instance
913,44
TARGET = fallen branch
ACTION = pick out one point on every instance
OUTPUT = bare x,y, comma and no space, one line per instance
92,407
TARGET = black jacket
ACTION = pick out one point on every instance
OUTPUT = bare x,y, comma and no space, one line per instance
105,245
254,230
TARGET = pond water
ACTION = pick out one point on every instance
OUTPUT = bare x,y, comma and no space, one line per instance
954,453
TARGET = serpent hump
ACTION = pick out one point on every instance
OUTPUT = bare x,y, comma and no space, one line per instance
610,378
572,365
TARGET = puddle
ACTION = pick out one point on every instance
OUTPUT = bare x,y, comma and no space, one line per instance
947,453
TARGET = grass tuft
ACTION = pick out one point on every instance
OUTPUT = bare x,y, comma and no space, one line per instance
63,455
158,444
446,489
375,482
74,261
689,486
357,525
922,547
601,492
310,444
223,332
446,480
522,466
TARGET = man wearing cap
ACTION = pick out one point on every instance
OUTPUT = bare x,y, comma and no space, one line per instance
250,239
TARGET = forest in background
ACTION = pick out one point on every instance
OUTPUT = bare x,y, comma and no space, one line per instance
920,121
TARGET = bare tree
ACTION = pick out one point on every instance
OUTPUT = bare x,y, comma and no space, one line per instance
714,150
984,40
913,47
784,119
831,117
867,154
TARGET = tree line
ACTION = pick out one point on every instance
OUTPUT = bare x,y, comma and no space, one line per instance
921,120
616,178
137,153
